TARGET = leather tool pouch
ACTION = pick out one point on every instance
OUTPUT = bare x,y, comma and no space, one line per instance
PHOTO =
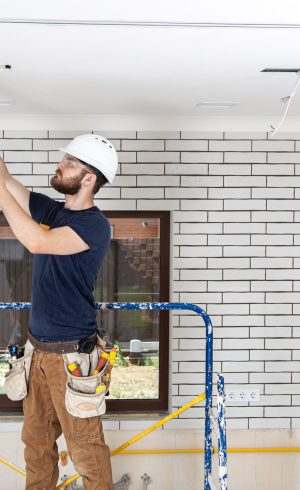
16,380
85,394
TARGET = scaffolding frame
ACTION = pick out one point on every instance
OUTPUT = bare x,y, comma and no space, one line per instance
208,450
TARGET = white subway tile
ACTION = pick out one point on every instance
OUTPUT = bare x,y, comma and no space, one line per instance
124,181
248,320
243,297
48,145
243,412
247,181
25,156
193,204
20,168
270,332
245,135
241,344
271,286
271,239
201,135
119,205
250,274
270,355
192,286
273,193
282,389
200,275
227,169
201,298
67,134
283,251
270,377
157,156
244,228
236,378
162,205
158,135
245,157
186,169
15,144
189,263
282,366
245,204
283,181
237,286
229,193
190,239
158,181
144,169
24,134
201,228
261,309
127,157
284,157
275,423
239,309
284,321
228,263
273,146
200,251
202,181
283,204
33,180
229,216
144,193
185,192
191,217
231,332
201,157
229,240
282,412
228,355
188,145
238,145
236,251
272,216
283,297
268,263
270,169
138,145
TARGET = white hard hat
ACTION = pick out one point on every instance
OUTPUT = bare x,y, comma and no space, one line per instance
95,150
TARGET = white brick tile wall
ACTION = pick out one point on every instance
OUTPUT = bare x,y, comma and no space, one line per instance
233,198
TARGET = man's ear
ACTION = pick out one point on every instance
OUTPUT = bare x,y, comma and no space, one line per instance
89,179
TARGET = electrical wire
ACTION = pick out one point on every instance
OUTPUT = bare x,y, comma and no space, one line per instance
288,100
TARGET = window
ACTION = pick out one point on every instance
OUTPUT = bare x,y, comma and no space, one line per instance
136,269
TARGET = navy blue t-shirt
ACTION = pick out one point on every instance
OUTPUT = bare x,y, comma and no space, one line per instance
63,306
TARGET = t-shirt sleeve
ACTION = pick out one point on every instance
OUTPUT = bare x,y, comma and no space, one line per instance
39,205
94,230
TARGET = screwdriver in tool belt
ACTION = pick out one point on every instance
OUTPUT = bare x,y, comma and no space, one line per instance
74,369
112,358
101,362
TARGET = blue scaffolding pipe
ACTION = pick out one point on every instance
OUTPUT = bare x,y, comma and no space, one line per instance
208,360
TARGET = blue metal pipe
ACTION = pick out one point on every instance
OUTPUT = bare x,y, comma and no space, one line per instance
222,444
208,360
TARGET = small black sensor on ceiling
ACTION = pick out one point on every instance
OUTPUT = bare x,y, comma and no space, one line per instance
281,70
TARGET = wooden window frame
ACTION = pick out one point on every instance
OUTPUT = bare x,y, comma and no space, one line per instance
160,404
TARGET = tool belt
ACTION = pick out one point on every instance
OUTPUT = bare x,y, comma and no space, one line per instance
85,345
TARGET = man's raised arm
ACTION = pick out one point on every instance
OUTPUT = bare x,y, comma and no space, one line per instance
19,192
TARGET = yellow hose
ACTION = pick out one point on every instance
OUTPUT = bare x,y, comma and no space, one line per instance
12,466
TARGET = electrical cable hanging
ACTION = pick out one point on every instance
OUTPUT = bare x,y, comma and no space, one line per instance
288,100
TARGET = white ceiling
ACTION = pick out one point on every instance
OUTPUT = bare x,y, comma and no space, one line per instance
118,70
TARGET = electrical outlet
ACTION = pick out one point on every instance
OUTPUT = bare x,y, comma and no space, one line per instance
242,395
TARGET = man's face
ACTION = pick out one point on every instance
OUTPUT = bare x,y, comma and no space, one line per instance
68,176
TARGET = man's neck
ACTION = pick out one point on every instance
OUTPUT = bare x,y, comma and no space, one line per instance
78,203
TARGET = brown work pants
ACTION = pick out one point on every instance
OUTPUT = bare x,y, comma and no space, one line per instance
45,418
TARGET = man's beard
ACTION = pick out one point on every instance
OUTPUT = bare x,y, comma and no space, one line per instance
70,186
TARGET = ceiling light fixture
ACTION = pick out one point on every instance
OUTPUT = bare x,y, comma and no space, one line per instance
217,104
6,102
5,67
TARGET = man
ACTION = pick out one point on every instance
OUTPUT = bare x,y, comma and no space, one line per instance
69,241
